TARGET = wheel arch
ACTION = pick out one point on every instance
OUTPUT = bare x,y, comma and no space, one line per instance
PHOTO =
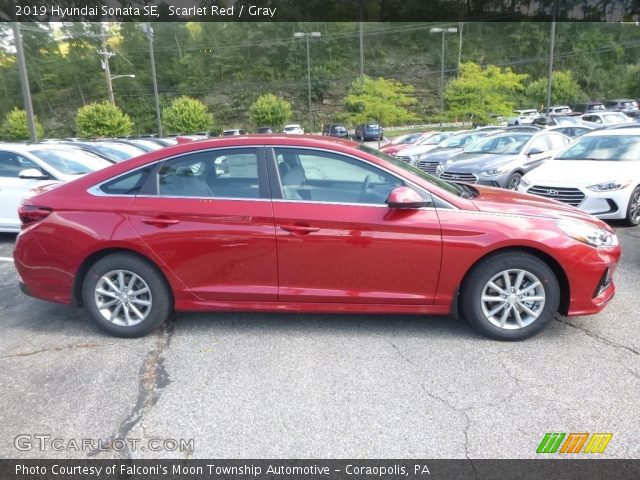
552,263
89,261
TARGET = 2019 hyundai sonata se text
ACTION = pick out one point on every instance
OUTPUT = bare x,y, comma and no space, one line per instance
305,224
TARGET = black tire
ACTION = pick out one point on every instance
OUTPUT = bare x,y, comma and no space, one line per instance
477,283
514,181
159,296
633,208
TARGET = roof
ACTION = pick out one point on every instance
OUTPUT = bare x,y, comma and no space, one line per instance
625,130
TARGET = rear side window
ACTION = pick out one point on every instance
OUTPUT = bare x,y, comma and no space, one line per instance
11,164
128,184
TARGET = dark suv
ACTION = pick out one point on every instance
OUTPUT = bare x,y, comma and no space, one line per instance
621,105
369,131
335,130
591,107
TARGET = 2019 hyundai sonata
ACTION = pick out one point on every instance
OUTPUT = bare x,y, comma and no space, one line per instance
305,224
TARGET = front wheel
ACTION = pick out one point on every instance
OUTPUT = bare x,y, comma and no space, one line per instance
514,181
510,296
633,208
126,296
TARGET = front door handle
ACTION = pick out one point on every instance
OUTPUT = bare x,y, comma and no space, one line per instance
299,229
160,222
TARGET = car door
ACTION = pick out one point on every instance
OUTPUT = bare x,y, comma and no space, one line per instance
532,160
13,188
337,239
208,217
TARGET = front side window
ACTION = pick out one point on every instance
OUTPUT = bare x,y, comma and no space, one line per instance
503,144
11,164
314,175
228,173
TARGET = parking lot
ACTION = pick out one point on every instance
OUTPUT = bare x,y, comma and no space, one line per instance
311,386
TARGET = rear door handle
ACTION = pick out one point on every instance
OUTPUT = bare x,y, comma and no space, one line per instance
160,222
299,229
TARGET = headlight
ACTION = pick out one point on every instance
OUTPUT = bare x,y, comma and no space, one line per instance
609,186
524,181
493,172
415,156
587,233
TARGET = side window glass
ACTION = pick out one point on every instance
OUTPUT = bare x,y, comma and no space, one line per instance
11,164
228,173
129,184
540,143
315,175
556,141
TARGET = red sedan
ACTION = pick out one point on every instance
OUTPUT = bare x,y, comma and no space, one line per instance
287,224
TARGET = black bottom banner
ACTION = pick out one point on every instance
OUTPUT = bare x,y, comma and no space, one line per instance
582,469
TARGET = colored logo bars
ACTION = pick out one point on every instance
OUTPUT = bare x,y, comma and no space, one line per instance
574,443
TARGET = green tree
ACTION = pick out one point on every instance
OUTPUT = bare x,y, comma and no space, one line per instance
564,89
270,110
481,92
15,126
379,99
187,115
102,120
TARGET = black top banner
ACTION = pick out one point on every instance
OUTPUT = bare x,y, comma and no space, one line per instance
320,10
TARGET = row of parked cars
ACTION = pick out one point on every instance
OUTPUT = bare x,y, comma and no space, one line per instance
597,171
597,113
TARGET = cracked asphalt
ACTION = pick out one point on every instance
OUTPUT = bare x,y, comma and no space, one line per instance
247,385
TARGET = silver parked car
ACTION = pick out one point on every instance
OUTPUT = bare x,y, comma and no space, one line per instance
502,160
450,147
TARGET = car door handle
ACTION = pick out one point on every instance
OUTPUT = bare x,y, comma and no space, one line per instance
160,222
299,229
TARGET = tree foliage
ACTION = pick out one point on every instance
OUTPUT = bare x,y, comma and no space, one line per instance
102,120
564,90
382,100
478,93
187,115
15,127
270,110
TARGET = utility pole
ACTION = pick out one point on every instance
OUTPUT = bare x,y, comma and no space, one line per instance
551,49
105,61
24,82
307,36
153,75
443,31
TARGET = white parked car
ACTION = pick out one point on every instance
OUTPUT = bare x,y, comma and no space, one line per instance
293,129
413,153
606,119
27,167
598,173
523,117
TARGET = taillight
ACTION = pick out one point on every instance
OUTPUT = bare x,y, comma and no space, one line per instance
32,213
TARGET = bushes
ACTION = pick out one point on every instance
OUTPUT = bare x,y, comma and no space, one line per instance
102,120
270,111
187,115
15,126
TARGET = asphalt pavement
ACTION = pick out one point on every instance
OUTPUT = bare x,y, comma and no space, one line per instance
247,385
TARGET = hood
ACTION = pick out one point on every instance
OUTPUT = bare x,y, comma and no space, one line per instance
582,172
473,162
499,200
440,154
393,149
416,150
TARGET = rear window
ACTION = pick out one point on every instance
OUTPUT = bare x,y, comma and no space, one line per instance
128,184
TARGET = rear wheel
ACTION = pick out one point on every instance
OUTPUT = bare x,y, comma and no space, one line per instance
126,296
510,296
633,208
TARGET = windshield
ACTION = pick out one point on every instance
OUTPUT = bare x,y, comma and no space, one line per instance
72,161
603,147
502,144
458,141
453,188
568,121
615,118
403,139
146,144
434,139
117,151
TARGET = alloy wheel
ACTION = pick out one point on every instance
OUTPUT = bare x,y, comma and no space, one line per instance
123,298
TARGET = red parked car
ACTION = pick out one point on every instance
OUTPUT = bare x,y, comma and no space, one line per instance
305,224
404,141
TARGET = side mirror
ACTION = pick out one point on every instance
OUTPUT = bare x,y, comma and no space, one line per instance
534,151
33,174
405,197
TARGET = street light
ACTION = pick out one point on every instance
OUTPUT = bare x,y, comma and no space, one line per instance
113,77
444,31
307,36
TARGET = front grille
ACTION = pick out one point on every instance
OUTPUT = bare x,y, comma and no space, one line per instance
429,167
571,196
404,159
459,177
